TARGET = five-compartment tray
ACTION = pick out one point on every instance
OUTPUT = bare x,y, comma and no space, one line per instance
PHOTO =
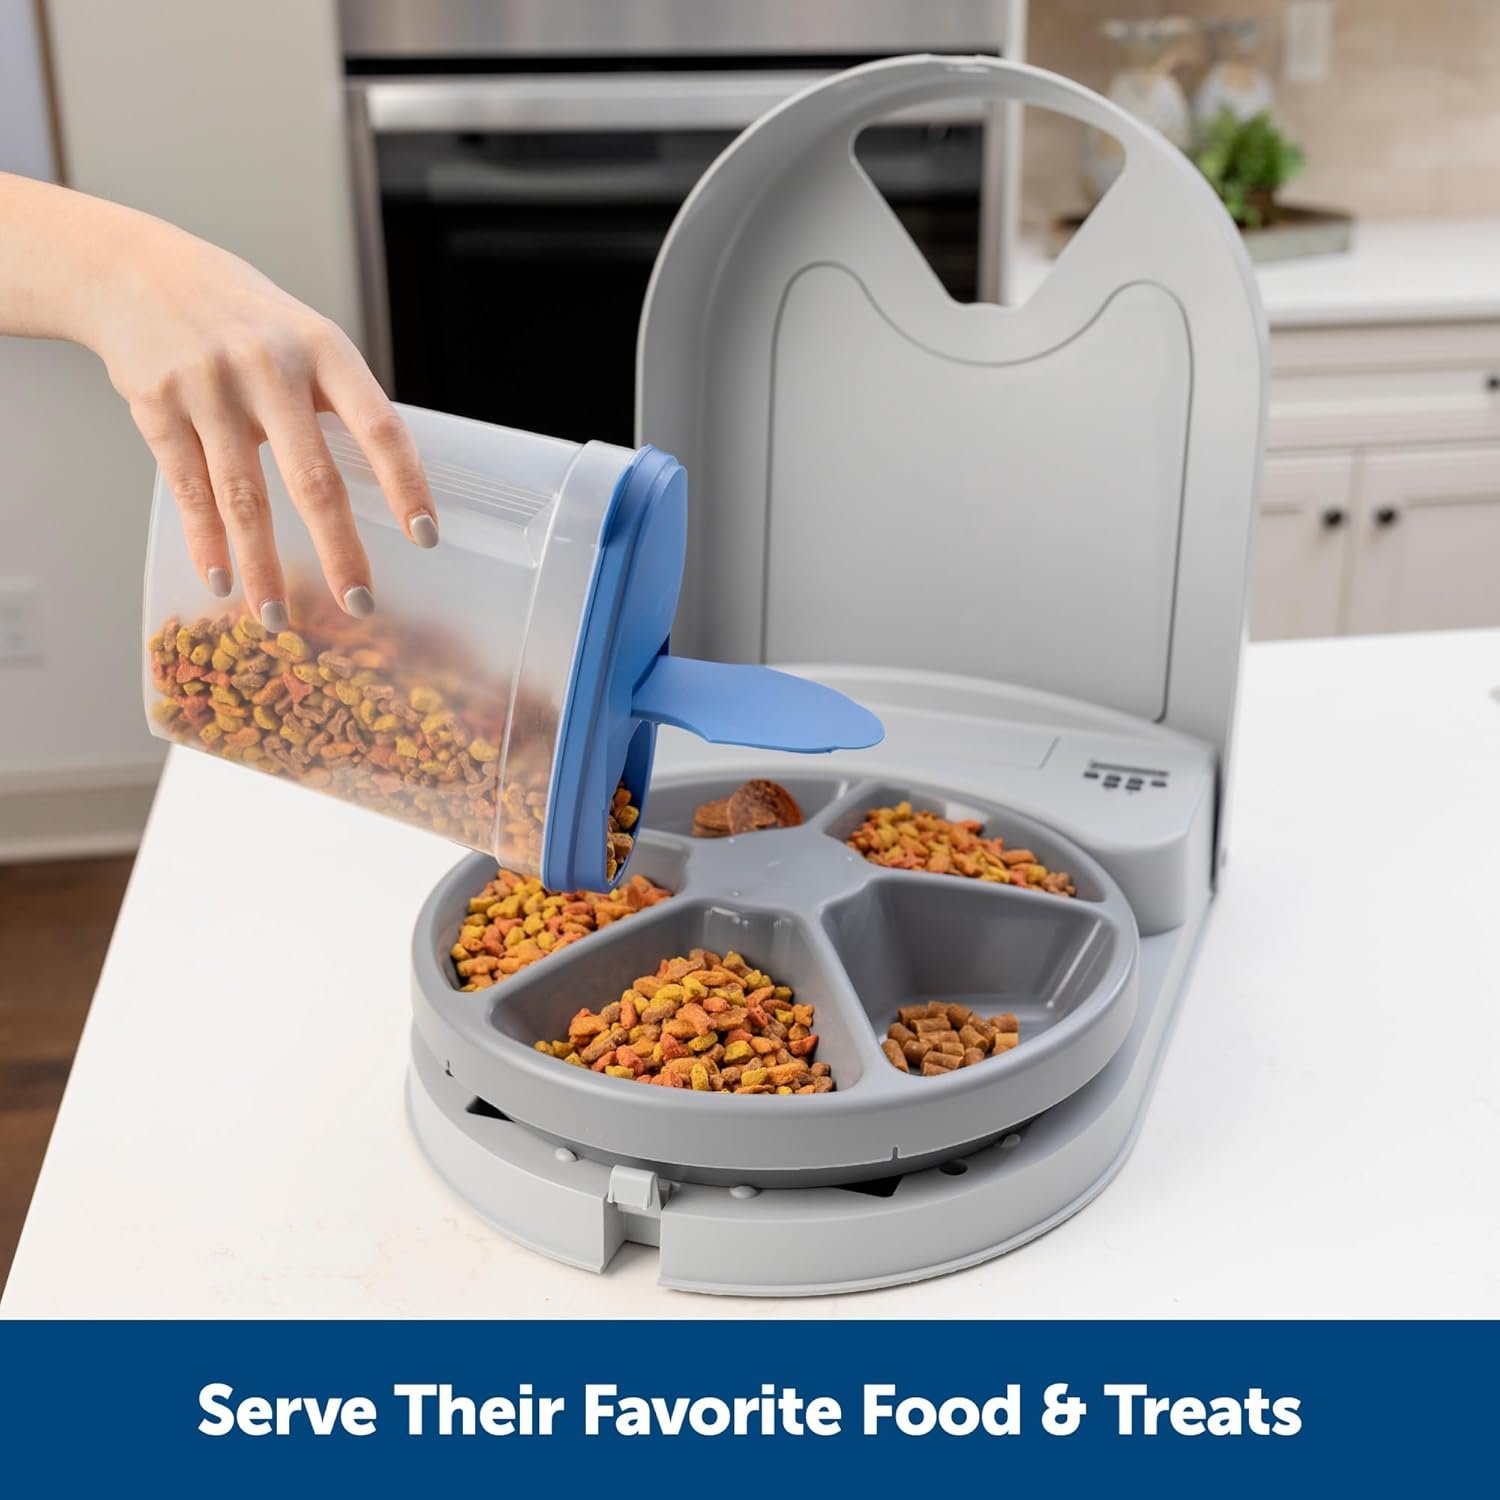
855,940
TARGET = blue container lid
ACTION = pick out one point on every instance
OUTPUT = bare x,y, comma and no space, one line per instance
625,682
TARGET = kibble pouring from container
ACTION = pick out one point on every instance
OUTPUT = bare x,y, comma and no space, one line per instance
509,681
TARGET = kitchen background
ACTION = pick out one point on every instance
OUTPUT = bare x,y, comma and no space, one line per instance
475,238
1404,124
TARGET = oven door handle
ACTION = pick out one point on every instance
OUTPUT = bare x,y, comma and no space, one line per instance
597,102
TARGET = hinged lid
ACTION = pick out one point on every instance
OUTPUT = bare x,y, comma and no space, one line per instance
1059,494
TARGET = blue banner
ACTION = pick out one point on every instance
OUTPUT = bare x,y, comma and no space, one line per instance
702,1406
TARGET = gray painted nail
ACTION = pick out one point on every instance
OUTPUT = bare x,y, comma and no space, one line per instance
273,615
218,582
424,530
359,601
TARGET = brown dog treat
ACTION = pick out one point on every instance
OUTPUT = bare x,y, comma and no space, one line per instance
759,805
711,820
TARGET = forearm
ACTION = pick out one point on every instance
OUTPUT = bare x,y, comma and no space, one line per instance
213,360
61,255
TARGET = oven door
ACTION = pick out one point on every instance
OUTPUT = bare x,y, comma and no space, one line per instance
508,225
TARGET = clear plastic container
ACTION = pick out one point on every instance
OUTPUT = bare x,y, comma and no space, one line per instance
510,680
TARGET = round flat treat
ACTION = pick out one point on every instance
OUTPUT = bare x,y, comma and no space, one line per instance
763,804
711,820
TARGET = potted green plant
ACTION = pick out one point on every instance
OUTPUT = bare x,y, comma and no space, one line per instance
1247,162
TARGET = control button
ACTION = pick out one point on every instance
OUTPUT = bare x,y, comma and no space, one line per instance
1091,775
1134,783
1111,781
1158,783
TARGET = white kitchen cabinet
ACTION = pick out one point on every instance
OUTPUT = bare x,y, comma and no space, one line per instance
1427,540
1380,508
1302,546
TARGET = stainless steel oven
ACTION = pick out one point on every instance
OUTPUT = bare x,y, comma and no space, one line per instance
517,164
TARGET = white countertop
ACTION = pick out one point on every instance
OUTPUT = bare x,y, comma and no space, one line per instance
1398,270
1323,1140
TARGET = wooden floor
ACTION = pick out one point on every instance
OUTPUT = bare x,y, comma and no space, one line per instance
55,922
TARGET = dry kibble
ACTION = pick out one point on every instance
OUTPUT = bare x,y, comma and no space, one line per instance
752,808
716,1025
623,816
901,839
514,922
937,1037
375,711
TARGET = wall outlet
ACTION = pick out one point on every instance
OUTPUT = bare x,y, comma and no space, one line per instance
1306,40
20,623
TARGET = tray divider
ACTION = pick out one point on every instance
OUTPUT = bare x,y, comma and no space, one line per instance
875,1070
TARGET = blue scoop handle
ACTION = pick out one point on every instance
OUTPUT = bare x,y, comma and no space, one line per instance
729,704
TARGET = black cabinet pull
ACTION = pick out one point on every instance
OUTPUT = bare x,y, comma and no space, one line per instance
1492,382
1334,517
1387,515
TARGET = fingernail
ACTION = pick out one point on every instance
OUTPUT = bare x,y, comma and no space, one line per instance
218,582
359,601
424,530
273,615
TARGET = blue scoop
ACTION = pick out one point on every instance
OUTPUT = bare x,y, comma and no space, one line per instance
625,682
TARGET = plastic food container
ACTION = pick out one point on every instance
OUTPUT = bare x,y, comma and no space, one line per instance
509,681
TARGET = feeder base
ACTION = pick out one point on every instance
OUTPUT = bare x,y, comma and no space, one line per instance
790,1242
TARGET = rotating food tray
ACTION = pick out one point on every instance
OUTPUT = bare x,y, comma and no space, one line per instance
855,940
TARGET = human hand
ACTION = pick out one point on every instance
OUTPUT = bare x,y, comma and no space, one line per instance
213,359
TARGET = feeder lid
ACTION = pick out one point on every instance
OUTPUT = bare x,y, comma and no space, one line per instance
1058,494
625,682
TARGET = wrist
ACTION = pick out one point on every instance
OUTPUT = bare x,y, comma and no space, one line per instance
109,267
69,263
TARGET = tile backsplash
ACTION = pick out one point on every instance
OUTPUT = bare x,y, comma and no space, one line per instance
1406,123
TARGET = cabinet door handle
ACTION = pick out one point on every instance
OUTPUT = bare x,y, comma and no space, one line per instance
1492,381
1387,516
1334,517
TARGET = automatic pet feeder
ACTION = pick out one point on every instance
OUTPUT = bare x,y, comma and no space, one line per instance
1020,535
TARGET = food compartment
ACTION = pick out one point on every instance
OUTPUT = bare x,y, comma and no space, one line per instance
661,862
907,942
538,1003
1016,830
674,803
